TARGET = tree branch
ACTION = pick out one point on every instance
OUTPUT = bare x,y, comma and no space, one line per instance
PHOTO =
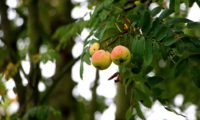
35,36
57,79
93,103
9,38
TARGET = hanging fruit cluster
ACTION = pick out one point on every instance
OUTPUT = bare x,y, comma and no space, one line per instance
101,59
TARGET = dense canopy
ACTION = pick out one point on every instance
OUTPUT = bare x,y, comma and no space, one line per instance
158,34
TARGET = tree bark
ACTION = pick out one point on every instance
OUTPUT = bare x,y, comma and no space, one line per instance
10,40
122,102
94,103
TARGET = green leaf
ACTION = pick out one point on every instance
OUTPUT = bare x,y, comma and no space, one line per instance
81,69
198,2
166,13
156,10
129,113
169,41
146,22
104,14
107,32
161,32
65,33
138,46
128,82
196,42
187,4
143,97
191,2
154,28
156,48
175,21
177,5
147,70
49,55
139,111
193,25
196,76
86,56
148,53
157,91
180,67
41,113
137,50
172,4
154,80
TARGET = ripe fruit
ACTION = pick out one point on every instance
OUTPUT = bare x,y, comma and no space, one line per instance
120,55
101,59
94,47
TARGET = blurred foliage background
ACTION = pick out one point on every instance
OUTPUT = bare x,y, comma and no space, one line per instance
158,34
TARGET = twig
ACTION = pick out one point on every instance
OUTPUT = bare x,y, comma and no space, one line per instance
57,79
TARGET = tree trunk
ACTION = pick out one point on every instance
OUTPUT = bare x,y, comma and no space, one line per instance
122,102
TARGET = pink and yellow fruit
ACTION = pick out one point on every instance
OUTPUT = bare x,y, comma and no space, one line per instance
120,55
94,47
101,59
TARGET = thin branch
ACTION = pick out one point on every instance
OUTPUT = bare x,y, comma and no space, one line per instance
57,79
26,76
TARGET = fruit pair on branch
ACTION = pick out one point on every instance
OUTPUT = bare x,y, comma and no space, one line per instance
102,59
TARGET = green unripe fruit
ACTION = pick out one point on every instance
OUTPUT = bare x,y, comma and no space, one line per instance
101,59
120,55
94,47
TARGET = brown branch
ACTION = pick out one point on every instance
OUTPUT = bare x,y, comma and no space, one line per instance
34,32
5,23
9,36
93,103
57,79
9,39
